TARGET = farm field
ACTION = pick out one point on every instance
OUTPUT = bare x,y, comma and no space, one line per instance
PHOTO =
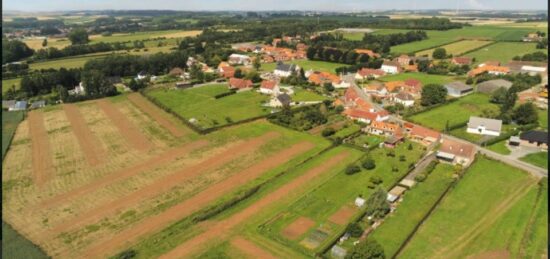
455,112
477,215
131,187
199,103
503,51
456,48
306,65
8,83
539,159
417,202
10,121
422,77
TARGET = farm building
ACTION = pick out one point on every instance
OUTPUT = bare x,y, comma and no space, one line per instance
395,193
240,84
458,89
19,106
484,126
238,59
78,90
460,61
345,81
528,67
367,52
280,100
456,152
404,60
407,183
226,71
493,70
368,73
421,134
393,140
391,67
490,86
534,138
38,104
8,104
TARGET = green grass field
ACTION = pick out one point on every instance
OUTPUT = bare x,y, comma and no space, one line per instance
199,103
416,204
302,95
500,147
475,216
306,65
503,51
422,77
8,83
456,112
539,159
14,245
457,48
543,118
10,120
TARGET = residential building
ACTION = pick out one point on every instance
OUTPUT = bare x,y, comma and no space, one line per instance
395,193
19,106
238,59
460,61
458,89
456,152
240,84
393,140
413,87
226,71
345,81
280,100
493,70
38,104
421,134
490,86
391,67
366,116
368,73
78,90
528,67
9,105
534,138
377,89
320,78
269,87
404,98
382,128
394,86
285,70
484,126
404,60
141,75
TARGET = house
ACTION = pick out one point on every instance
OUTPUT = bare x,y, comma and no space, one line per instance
490,86
413,87
285,70
393,140
368,52
460,61
345,81
38,104
404,98
407,183
484,126
320,78
391,67
534,138
141,75
458,89
404,60
280,100
240,84
394,86
493,70
376,88
368,73
528,67
239,59
226,71
421,134
456,152
366,116
395,193
78,90
8,104
19,106
269,87
382,128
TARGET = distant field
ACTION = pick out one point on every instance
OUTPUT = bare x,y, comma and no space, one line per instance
307,64
485,214
10,120
504,51
199,103
457,48
539,159
456,112
422,77
8,83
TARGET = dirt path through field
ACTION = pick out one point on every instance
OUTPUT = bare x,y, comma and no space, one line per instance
221,228
484,223
155,113
42,166
132,134
162,185
197,202
250,249
88,142
124,173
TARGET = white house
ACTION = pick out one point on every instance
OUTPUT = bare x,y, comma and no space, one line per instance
285,70
404,98
391,67
280,100
345,81
238,59
269,87
78,90
484,126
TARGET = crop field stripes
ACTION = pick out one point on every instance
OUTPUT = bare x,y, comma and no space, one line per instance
42,168
132,134
124,173
86,139
162,185
221,228
155,113
250,249
200,200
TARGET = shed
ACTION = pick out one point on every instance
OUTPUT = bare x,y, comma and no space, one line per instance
395,193
10,104
338,252
490,86
38,104
407,183
514,141
359,202
19,106
457,89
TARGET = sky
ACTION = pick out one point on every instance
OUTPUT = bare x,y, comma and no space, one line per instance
261,5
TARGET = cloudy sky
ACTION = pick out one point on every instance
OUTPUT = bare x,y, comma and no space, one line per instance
258,5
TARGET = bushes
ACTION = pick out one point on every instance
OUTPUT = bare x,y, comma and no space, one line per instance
231,92
328,132
369,163
352,169
354,229
420,177
127,254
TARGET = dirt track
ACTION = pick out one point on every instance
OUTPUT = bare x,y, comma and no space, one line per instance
197,202
155,113
220,229
89,143
42,167
162,185
250,249
124,173
132,134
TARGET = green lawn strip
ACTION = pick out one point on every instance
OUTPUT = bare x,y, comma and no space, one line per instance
346,131
10,120
539,159
8,83
485,184
422,77
223,250
535,242
307,64
543,118
302,95
14,245
454,112
367,139
457,48
500,147
503,51
417,202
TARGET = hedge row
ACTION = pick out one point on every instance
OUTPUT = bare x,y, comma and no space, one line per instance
231,92
410,114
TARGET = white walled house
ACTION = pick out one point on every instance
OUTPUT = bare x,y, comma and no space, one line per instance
484,126
269,87
285,70
238,59
390,67
405,99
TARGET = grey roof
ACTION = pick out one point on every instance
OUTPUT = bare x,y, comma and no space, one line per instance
535,136
9,103
457,85
285,67
21,105
38,104
492,85
349,78
284,99
490,124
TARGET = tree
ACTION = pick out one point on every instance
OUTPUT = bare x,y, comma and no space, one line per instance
256,63
352,169
328,87
369,163
509,100
96,84
499,95
14,50
238,73
63,93
328,132
439,53
377,204
78,36
354,229
433,94
423,65
410,146
525,114
45,42
368,249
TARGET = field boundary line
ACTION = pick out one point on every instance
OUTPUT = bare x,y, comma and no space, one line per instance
13,135
149,108
88,142
478,48
529,227
435,46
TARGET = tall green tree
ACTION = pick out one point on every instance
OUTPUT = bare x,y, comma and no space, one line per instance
525,114
377,204
96,84
14,50
439,53
78,36
433,94
367,249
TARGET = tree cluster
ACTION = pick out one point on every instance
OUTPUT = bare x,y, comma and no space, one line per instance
14,50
